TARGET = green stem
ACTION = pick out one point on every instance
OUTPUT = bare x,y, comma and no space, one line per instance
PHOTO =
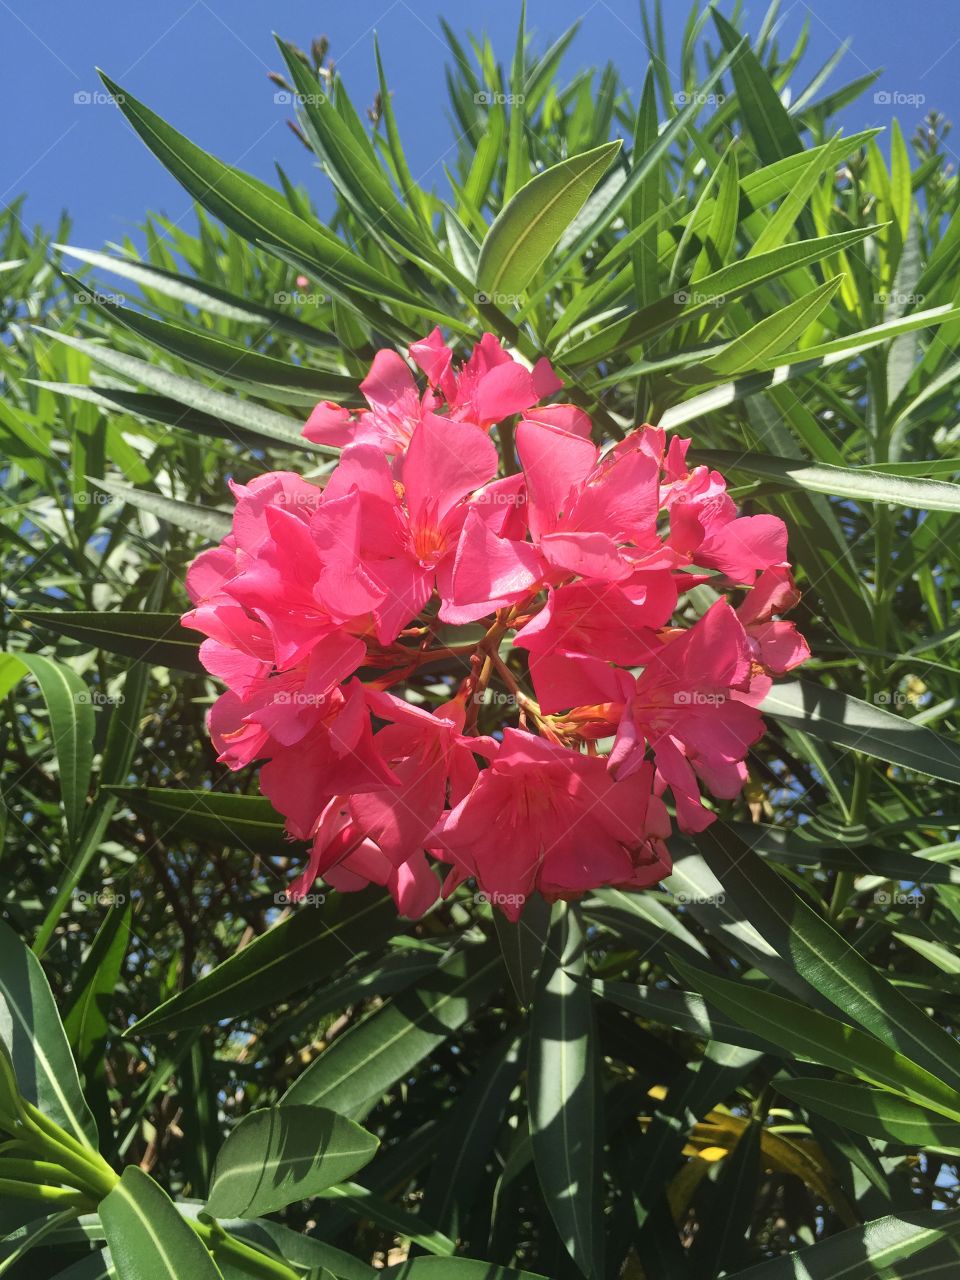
243,1256
52,1196
85,1164
41,1171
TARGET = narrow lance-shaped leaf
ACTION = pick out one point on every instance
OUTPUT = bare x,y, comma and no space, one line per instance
157,638
251,208
859,483
31,1029
72,722
529,226
284,959
185,515
389,1042
849,722
863,1253
873,1112
562,1095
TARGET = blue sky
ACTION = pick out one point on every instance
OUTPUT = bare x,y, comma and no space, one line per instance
202,64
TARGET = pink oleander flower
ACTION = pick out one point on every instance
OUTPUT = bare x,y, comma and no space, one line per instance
548,818
547,594
490,386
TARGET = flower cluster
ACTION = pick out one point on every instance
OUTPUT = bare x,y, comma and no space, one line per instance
504,674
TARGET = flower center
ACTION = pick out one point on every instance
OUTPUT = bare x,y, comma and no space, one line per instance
428,544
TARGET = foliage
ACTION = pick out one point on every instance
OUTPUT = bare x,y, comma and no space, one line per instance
759,1058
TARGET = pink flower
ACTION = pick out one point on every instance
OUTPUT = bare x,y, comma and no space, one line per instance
588,517
490,386
689,706
349,862
286,579
379,836
316,745
547,818
777,645
391,393
409,520
581,565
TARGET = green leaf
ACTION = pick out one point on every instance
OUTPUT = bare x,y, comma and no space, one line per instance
86,1024
301,1251
207,521
361,1203
774,133
773,333
143,404
873,1112
227,358
824,959
712,293
643,203
794,1029
863,1253
532,222
518,160
72,724
471,1134
31,1029
725,1219
522,944
945,958
282,1154
683,1010
643,166
157,638
147,1237
194,291
562,1095
849,722
454,1269
859,483
352,164
252,209
34,1235
237,822
245,414
286,958
366,1061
